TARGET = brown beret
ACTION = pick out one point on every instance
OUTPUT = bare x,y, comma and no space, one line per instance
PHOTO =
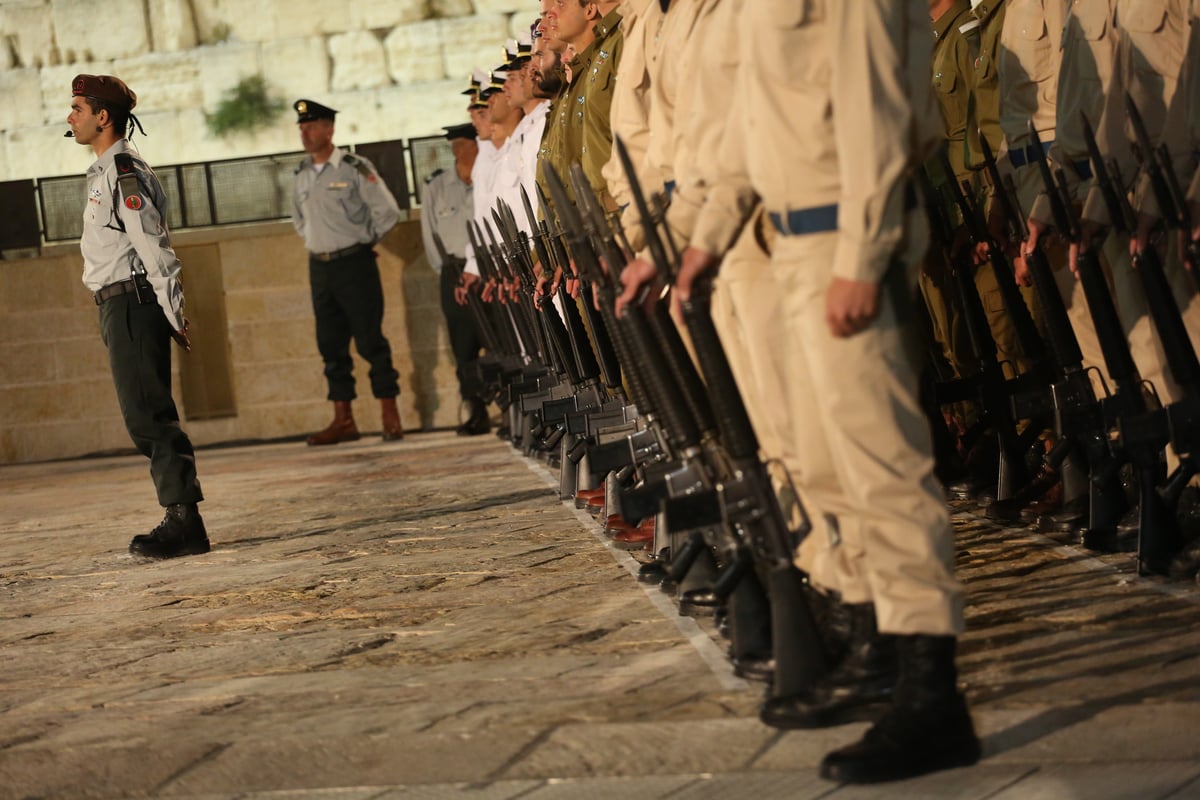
107,88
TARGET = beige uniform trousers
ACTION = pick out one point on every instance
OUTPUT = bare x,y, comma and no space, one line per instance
862,451
749,318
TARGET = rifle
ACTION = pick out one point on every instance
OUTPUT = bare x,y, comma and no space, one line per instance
747,496
991,386
1142,431
1172,203
1078,414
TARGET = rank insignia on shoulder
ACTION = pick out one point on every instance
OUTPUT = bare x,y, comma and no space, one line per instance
133,202
371,177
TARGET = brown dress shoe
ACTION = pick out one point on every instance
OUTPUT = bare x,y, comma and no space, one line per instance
635,538
393,431
583,495
342,429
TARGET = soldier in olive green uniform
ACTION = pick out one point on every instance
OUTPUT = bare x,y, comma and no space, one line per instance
950,49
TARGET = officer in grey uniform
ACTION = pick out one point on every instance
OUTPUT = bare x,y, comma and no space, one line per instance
129,264
446,208
342,208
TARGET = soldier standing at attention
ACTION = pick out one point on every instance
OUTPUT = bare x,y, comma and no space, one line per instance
855,122
446,209
129,264
342,208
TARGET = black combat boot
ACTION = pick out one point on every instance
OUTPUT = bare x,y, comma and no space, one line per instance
864,677
477,423
181,533
927,728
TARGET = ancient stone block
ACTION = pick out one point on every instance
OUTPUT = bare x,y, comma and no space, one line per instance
22,93
452,8
172,26
358,61
500,6
227,20
30,27
414,52
163,80
421,109
296,67
468,42
80,37
389,13
223,67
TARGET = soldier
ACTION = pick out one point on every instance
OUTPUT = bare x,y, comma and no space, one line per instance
481,172
341,208
591,29
129,264
521,158
446,209
844,267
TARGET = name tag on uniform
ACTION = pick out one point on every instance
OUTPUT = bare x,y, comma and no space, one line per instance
338,185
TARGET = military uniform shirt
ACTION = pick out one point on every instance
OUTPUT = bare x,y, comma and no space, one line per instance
709,63
1029,61
126,235
791,133
528,134
481,192
983,112
1150,46
585,114
1085,75
341,205
630,112
445,209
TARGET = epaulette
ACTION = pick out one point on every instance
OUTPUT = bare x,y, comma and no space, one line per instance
434,174
127,181
360,165
300,166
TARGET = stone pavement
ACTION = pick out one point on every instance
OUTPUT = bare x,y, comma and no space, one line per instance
425,620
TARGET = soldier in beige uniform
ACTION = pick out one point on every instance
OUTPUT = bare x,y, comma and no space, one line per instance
1030,59
1151,48
830,147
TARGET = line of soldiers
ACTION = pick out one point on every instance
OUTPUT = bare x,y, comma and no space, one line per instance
769,280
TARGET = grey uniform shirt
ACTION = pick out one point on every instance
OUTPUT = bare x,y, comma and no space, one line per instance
446,209
343,204
127,234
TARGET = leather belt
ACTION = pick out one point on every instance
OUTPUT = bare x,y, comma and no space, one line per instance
343,253
1026,154
121,287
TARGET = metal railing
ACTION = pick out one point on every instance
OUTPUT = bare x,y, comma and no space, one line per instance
212,193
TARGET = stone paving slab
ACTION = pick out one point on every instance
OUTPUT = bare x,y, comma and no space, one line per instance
425,619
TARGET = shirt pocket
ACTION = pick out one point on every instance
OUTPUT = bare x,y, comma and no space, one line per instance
793,37
1090,17
1143,16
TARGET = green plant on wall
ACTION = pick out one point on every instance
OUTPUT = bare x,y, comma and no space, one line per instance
245,107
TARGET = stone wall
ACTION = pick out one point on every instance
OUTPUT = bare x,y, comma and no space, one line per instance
55,385
393,68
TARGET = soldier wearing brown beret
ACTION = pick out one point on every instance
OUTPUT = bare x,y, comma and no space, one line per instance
129,264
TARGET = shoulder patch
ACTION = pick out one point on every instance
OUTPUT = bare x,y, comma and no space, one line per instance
127,182
124,163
